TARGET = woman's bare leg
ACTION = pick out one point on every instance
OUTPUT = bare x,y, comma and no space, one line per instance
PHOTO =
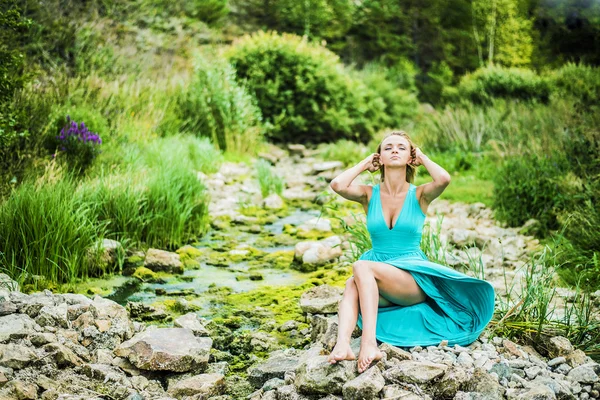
347,317
368,293
375,280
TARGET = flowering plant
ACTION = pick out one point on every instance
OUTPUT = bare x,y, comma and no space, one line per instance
78,143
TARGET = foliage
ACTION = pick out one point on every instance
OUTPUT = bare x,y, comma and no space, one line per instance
580,82
216,106
497,82
346,151
269,181
304,93
401,105
12,25
527,186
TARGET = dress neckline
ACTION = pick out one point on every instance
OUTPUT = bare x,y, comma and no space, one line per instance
401,211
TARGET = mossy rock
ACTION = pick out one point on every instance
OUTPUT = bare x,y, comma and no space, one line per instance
218,259
312,234
191,264
145,275
189,252
281,259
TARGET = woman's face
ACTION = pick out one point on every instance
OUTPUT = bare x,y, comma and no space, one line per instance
395,150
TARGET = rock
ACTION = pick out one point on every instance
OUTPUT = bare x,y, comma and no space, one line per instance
482,383
202,386
288,326
365,386
15,356
107,252
314,253
556,361
275,367
160,260
22,390
323,299
262,341
324,330
395,392
143,312
394,352
576,358
272,384
7,307
166,349
63,356
418,372
6,282
53,316
583,374
316,375
192,322
319,224
273,202
558,346
326,166
296,149
16,326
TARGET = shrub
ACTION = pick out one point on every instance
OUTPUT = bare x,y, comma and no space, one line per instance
578,81
487,83
216,106
528,186
401,105
347,151
303,91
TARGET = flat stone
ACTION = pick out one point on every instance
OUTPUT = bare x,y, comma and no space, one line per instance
166,349
203,386
415,372
323,299
275,367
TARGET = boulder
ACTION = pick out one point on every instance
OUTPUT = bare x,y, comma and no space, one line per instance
323,299
166,349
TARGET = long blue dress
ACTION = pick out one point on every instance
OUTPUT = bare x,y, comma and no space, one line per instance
458,307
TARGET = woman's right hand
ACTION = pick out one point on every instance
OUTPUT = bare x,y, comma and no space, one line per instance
372,162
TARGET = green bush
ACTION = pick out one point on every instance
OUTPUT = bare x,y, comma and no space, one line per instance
529,186
346,151
401,105
578,81
487,83
268,180
303,91
216,106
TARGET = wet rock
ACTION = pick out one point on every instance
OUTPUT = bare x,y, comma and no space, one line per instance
275,367
160,260
166,349
365,386
201,386
323,299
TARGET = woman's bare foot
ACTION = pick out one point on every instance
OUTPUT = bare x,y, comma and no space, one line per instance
369,352
341,351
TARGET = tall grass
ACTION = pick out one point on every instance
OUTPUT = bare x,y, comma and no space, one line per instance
47,231
268,180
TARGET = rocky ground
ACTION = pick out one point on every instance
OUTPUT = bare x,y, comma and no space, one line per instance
71,346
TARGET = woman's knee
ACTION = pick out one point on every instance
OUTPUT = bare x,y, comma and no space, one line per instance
360,267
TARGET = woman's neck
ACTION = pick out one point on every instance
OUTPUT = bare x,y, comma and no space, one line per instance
395,181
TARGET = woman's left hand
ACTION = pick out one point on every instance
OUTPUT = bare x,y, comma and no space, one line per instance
416,154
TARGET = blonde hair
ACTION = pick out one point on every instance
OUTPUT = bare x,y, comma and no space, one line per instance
411,171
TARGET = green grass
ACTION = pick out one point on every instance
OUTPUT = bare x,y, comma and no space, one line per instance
465,188
269,181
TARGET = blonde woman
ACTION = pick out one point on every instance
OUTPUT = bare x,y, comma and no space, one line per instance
396,295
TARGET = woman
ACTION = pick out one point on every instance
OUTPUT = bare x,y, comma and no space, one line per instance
395,294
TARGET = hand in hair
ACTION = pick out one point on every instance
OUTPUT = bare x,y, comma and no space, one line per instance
415,154
373,162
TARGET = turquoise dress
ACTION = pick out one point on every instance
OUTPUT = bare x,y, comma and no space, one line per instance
457,308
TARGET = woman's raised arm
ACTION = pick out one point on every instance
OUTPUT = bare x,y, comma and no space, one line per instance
342,184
